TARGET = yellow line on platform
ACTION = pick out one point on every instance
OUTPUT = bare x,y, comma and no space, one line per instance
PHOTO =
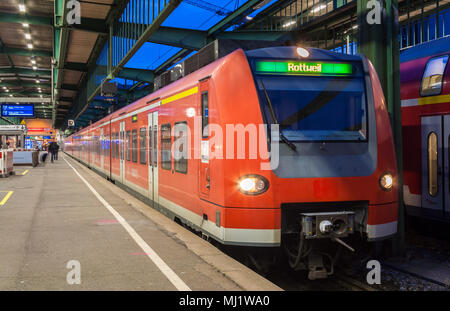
6,198
25,172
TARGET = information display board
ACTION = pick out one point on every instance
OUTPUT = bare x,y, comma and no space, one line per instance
14,110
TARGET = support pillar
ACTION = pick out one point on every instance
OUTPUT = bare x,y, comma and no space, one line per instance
378,40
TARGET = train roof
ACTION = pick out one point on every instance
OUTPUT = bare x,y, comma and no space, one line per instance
430,48
280,52
290,52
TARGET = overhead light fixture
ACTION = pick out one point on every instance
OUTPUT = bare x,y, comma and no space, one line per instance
33,62
22,7
38,81
28,36
7,91
4,87
288,24
34,68
302,52
25,25
30,46
10,95
319,8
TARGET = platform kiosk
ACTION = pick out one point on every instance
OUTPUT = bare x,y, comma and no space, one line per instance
12,138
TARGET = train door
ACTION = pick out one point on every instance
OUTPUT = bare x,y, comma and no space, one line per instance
122,151
447,163
153,158
432,163
93,148
204,173
102,148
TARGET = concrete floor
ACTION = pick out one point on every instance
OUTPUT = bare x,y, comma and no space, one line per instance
52,218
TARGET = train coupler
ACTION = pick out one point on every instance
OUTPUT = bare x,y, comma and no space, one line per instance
327,225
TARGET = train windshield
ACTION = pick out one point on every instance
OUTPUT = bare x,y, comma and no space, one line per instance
316,107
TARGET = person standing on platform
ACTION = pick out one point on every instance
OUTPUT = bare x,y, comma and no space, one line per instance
56,150
51,150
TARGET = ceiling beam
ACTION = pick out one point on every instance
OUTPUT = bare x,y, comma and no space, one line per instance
196,39
25,52
91,25
25,84
82,67
26,19
69,87
66,99
23,71
244,9
25,100
137,74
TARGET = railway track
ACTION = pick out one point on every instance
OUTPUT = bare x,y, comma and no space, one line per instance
351,284
417,276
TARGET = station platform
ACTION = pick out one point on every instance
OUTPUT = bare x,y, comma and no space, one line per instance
61,223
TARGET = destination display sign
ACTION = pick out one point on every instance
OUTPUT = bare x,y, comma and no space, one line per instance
303,68
12,110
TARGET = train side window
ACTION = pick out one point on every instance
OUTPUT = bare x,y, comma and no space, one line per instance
143,145
155,146
117,145
113,145
432,76
205,114
166,147
128,144
180,147
106,145
150,145
432,164
121,142
134,149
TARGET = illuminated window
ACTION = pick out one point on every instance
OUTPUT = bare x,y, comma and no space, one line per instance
155,146
113,146
128,144
205,114
143,145
432,77
432,164
135,146
166,147
180,147
106,145
117,145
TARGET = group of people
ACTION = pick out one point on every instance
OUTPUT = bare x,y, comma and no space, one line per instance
53,149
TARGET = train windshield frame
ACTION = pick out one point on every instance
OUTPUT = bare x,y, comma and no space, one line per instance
313,101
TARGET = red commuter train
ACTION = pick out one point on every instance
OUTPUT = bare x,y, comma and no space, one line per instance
425,94
326,166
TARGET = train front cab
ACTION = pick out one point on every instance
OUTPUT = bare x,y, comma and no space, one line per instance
426,131
332,182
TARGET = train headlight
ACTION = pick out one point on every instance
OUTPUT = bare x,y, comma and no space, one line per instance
386,182
252,184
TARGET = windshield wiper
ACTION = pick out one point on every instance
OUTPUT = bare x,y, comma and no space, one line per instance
275,121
